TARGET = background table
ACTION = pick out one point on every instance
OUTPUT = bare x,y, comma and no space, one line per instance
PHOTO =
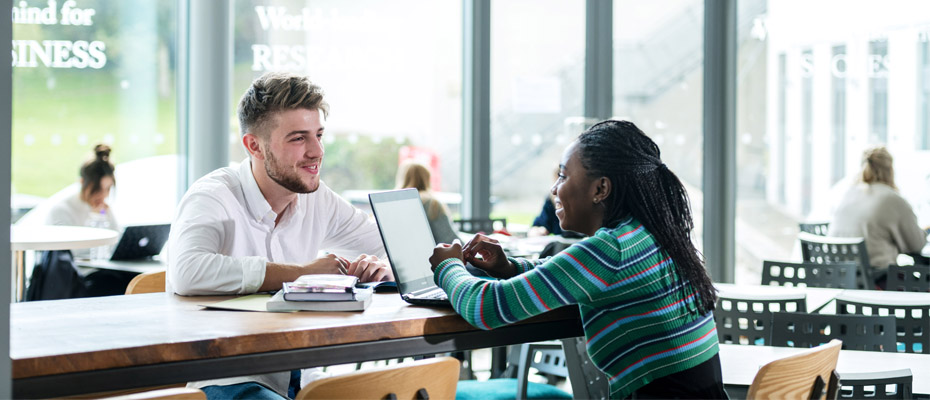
65,347
740,363
135,266
48,237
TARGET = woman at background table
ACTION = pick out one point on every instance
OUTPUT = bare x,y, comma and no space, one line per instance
89,207
644,296
873,209
412,174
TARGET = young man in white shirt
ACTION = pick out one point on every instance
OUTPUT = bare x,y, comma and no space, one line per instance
248,229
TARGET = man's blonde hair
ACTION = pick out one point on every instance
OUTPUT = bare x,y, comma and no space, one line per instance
878,166
274,92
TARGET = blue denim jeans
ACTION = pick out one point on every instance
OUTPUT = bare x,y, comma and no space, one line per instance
252,390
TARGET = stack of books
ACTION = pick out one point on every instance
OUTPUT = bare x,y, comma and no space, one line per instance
321,292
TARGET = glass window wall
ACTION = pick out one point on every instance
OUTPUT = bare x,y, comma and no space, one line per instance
392,75
817,84
88,72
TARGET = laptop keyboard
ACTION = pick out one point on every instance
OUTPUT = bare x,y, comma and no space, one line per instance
435,294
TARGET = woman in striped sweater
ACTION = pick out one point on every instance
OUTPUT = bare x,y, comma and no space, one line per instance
644,296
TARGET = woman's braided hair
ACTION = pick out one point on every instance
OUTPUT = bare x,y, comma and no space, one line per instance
644,188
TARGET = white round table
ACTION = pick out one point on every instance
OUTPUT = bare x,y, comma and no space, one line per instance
48,237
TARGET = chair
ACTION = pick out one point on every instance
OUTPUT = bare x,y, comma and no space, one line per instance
547,358
147,282
431,378
858,332
909,278
801,376
839,275
480,225
747,319
912,316
897,384
816,228
180,393
831,250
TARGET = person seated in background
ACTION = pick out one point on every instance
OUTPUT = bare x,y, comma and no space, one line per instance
546,222
88,207
873,209
412,174
251,228
645,297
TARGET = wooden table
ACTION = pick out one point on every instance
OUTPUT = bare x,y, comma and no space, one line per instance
740,363
65,347
49,237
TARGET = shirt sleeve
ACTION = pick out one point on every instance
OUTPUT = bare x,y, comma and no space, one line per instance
539,287
351,229
200,237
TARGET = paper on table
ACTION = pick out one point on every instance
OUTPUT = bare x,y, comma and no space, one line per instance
252,302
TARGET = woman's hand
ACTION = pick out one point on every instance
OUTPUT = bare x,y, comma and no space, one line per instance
492,258
444,251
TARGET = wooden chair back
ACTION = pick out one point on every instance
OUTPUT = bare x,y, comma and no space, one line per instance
801,376
179,393
438,376
148,282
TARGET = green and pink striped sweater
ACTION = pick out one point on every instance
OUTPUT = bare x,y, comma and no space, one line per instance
639,323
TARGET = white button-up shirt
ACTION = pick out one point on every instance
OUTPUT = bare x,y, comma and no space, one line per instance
224,233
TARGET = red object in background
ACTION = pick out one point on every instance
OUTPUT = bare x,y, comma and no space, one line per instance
426,157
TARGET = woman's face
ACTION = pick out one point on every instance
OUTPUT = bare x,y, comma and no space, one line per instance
573,195
97,199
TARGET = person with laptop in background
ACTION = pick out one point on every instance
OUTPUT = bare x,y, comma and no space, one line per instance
56,276
646,300
249,229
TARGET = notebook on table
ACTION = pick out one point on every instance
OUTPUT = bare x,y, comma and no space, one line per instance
409,243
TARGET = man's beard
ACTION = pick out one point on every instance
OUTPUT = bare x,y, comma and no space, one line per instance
288,179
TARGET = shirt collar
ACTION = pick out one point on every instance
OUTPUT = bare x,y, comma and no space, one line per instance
259,209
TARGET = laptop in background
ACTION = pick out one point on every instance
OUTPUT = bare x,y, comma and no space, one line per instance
141,242
409,243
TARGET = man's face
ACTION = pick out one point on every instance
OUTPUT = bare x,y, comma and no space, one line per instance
294,150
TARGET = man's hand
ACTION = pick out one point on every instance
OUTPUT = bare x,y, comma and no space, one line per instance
276,273
444,251
487,254
370,269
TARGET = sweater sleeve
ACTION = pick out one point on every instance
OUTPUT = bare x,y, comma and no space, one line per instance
907,234
538,287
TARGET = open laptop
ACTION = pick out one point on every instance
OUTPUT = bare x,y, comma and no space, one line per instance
141,242
409,243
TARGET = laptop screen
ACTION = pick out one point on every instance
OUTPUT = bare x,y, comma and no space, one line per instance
407,237
141,241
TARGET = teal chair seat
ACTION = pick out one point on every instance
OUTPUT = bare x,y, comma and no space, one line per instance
505,389
547,358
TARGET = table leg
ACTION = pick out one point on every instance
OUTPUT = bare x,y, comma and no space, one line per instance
20,275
